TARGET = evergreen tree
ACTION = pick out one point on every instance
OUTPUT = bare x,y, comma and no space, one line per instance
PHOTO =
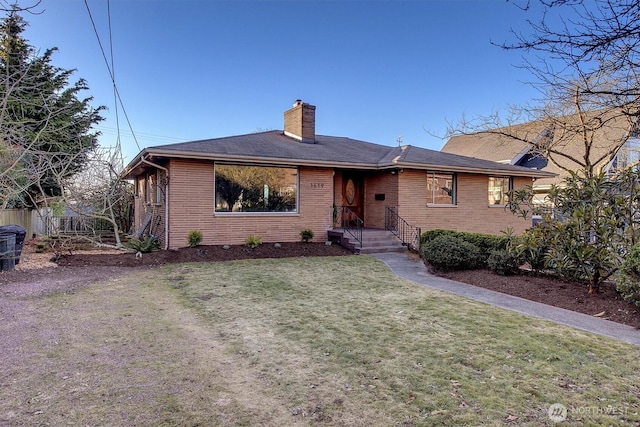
44,124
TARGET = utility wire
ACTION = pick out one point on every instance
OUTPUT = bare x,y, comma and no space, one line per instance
115,98
142,136
113,80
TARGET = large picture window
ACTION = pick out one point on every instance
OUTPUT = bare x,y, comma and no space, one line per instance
499,187
441,188
241,188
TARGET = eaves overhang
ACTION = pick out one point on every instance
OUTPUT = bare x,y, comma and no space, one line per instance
137,165
512,171
130,170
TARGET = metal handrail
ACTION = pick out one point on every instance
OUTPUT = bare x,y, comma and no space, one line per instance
409,235
350,222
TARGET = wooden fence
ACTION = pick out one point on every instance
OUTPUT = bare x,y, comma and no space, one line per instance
42,222
21,217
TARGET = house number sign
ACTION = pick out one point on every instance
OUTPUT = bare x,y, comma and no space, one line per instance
317,185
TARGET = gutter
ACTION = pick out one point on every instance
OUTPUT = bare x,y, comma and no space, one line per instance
166,196
249,159
395,163
522,171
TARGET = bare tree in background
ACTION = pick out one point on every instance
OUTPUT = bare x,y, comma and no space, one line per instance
31,7
584,58
48,151
99,194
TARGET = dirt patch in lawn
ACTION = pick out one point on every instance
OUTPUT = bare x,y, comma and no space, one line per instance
76,268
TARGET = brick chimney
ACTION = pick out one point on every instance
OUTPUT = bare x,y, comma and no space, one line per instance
300,122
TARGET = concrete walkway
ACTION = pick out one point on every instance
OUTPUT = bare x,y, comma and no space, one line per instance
410,267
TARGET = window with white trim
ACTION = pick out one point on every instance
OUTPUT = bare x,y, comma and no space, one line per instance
151,183
499,188
441,188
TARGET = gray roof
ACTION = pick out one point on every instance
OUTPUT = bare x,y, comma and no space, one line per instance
274,147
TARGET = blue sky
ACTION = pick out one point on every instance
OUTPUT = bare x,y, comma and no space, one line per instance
375,70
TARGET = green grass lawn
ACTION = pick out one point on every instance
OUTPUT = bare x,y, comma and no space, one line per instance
343,341
296,342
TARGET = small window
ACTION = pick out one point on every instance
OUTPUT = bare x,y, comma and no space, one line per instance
139,187
499,188
441,188
157,182
152,187
147,189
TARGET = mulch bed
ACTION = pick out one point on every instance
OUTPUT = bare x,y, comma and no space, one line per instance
204,254
607,304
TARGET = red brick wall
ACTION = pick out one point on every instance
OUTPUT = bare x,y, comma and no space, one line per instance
192,208
379,183
191,194
301,121
471,213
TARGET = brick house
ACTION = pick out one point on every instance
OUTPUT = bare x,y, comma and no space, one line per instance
274,184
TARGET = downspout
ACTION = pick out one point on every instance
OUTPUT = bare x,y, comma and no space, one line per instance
334,208
166,196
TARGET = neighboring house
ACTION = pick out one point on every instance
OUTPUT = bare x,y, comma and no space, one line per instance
510,146
275,184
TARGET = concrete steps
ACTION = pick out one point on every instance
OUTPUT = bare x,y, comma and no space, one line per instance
373,241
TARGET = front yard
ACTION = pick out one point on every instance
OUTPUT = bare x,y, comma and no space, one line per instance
301,341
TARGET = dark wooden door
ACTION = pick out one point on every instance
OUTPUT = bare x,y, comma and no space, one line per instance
353,194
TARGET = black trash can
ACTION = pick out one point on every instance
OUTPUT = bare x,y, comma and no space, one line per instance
7,251
20,234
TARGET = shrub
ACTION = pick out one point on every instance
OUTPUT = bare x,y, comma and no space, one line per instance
486,243
306,234
253,241
194,238
146,245
628,283
503,262
532,247
448,252
429,235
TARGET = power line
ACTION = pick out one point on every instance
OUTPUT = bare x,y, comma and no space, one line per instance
140,135
111,74
113,67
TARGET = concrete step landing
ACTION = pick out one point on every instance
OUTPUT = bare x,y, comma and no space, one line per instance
373,241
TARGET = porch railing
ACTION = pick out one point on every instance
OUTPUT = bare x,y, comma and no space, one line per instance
349,221
409,235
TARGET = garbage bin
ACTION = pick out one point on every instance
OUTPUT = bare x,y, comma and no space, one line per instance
19,233
7,251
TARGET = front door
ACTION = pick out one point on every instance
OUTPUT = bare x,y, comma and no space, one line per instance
353,193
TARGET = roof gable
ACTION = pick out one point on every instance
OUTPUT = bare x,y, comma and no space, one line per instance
610,129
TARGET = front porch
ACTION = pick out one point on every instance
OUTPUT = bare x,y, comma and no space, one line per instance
395,234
